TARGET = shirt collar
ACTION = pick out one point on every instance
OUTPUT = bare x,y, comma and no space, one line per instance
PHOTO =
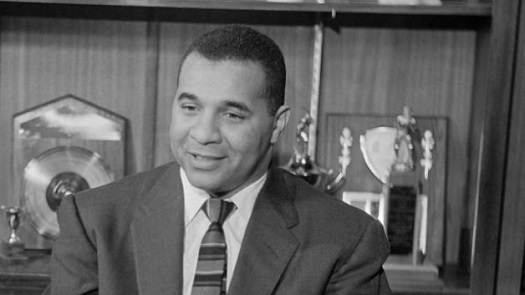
194,197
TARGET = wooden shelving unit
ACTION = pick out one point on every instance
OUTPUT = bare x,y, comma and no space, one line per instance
486,33
355,6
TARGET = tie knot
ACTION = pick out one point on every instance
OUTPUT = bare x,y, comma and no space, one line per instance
218,210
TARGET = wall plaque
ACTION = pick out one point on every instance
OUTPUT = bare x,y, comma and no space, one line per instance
62,147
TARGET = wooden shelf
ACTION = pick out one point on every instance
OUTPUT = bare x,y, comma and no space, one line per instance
423,280
29,276
336,6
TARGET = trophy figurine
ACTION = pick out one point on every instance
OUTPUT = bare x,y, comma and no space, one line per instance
302,165
428,145
403,144
13,247
345,140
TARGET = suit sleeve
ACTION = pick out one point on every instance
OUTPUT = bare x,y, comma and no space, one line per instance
361,271
74,256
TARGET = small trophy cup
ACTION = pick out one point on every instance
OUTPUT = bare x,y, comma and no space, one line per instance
13,248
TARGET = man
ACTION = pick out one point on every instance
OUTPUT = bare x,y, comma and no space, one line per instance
142,234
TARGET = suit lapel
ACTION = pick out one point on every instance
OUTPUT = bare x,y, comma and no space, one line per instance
268,243
158,236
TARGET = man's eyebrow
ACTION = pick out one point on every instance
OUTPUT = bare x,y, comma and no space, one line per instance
186,95
238,105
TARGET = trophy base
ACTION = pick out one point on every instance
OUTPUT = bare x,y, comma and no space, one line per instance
13,252
402,219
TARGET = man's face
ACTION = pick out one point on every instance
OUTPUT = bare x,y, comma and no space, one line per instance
221,131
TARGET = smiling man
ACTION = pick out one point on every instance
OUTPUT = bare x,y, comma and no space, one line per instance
223,128
220,219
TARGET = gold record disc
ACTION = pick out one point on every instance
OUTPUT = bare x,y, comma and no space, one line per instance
53,175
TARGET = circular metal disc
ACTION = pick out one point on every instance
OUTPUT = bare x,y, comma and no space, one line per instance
54,174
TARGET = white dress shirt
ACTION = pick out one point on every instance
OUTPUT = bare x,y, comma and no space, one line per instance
197,224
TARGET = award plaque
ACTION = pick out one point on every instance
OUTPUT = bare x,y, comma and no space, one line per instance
406,178
62,147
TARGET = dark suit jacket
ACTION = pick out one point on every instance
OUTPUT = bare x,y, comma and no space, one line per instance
128,237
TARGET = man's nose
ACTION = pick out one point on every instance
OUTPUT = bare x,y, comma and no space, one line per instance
206,129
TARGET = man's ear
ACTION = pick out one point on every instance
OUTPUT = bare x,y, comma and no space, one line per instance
282,116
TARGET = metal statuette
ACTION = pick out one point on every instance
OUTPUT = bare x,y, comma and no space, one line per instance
403,145
302,165
346,143
428,145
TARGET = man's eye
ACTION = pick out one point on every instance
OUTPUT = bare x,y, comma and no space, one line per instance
189,108
235,116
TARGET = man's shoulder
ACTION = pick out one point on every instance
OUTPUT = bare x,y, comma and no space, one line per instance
124,190
330,221
114,204
311,200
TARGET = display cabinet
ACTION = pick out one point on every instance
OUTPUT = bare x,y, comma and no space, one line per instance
461,61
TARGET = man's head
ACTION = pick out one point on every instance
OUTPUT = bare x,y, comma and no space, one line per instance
239,43
223,128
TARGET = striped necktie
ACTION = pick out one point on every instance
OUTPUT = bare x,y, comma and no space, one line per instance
210,275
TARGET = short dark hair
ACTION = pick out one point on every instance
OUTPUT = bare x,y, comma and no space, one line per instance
240,43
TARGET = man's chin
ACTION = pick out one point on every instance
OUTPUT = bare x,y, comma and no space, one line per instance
204,181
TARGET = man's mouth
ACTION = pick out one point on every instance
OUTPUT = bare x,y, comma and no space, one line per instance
202,156
205,161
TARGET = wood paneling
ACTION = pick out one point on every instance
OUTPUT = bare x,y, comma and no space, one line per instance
296,44
512,246
489,137
101,61
378,71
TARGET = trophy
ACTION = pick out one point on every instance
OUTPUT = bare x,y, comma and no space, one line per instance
403,189
13,247
302,165
390,153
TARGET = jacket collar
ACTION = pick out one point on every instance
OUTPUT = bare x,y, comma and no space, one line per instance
158,236
268,244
